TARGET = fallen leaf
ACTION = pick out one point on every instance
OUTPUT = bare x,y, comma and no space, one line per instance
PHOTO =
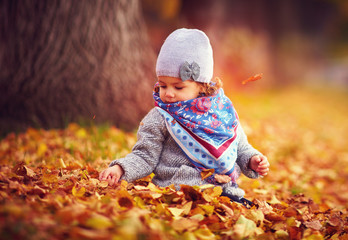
282,234
274,200
61,162
222,178
103,184
78,192
42,197
82,233
185,224
176,211
264,206
244,228
208,209
256,216
315,224
207,173
227,209
187,208
98,221
204,233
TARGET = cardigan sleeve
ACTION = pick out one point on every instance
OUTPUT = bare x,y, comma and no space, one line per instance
146,152
245,152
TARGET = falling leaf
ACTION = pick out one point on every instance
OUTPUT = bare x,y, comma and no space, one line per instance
253,78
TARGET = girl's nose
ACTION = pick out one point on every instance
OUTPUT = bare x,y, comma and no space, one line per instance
169,93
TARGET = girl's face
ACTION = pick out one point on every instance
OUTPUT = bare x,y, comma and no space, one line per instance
174,89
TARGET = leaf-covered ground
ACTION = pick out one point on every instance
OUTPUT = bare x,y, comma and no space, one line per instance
49,187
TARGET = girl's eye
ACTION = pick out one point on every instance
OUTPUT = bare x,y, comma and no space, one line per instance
178,88
162,86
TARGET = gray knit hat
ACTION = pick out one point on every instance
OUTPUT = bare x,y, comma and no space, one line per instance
186,54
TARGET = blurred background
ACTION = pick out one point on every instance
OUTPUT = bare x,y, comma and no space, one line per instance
94,61
290,41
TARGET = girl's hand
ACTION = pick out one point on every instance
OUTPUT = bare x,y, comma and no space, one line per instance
112,174
259,164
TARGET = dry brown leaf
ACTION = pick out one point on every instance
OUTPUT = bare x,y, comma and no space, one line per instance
42,197
222,178
315,224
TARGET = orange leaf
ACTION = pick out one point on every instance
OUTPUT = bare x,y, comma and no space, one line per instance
125,200
183,224
82,233
253,78
207,173
222,178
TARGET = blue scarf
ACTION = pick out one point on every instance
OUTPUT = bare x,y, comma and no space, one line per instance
205,128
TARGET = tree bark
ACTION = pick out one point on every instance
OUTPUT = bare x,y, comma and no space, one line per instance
64,61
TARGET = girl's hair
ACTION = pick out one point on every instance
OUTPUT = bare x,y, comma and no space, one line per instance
212,87
209,89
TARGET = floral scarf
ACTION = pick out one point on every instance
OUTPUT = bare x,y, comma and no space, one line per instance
205,128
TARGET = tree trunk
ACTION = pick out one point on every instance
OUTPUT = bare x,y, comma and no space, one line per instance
64,61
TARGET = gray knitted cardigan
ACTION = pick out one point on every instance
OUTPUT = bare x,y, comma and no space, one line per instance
156,151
